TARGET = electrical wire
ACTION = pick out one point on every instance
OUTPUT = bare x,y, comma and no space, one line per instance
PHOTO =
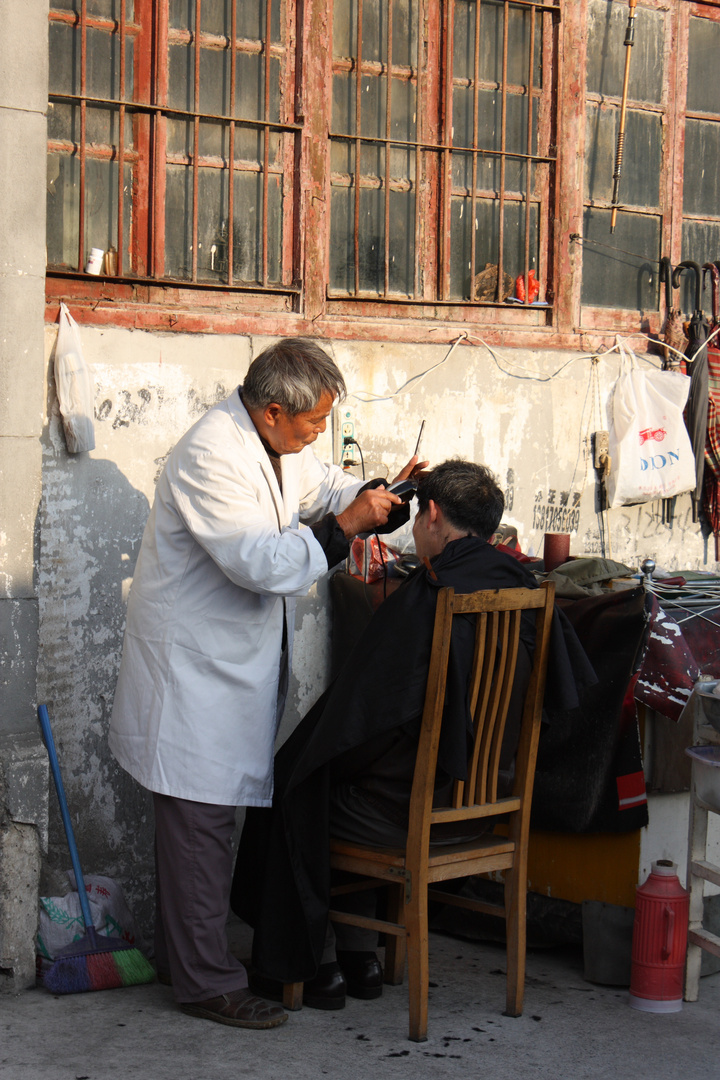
372,398
354,442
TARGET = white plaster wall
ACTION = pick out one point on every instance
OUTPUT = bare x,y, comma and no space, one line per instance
666,837
516,411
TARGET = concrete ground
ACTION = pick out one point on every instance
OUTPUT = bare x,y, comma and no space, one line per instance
570,1030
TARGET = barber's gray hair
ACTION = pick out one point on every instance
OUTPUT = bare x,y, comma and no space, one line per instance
467,494
294,373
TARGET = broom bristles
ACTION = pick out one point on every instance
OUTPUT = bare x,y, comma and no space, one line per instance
99,971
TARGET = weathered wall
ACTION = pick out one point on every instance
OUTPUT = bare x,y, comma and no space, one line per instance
23,763
528,427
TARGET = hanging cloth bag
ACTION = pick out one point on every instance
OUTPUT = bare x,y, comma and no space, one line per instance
75,386
650,449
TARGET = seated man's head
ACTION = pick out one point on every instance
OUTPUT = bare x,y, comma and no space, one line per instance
456,498
289,391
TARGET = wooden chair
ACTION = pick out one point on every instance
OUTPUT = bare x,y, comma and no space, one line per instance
411,871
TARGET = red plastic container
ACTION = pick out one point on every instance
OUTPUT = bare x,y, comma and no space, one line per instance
659,941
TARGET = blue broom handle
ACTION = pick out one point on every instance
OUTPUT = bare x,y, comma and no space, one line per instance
55,767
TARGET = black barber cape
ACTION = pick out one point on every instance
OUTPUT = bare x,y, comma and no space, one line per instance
282,877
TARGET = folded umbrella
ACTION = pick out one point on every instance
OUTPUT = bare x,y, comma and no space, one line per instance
696,411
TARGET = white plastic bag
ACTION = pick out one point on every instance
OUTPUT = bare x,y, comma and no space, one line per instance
650,449
75,386
61,920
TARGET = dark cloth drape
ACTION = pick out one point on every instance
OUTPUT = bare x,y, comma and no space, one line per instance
282,878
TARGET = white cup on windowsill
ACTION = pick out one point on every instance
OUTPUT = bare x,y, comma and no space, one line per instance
94,264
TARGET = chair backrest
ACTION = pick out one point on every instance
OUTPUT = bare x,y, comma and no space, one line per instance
498,613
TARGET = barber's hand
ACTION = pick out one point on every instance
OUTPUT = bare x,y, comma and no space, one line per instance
370,509
414,469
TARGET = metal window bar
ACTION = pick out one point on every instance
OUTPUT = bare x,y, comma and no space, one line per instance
83,120
358,129
196,141
121,145
231,145
503,159
447,138
528,174
476,135
388,133
419,121
266,143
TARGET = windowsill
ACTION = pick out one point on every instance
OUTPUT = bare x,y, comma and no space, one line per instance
171,306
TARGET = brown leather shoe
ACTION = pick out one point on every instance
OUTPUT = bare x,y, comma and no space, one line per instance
240,1008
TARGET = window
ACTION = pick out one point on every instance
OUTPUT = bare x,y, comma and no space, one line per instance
178,143
440,139
171,139
669,188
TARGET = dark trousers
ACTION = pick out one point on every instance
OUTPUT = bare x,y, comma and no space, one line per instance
193,873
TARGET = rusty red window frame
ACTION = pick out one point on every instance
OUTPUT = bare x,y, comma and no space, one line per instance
147,103
434,80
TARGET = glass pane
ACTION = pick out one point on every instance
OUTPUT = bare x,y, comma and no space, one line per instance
178,222
342,156
607,23
63,210
487,216
343,104
213,140
703,87
701,185
405,35
247,238
215,81
181,77
701,243
342,273
402,242
64,51
491,43
374,30
108,9
250,87
344,28
620,269
216,18
642,158
103,64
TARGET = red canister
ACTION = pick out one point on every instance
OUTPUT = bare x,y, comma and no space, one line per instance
659,941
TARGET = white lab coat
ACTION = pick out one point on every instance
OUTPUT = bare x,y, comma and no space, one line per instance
223,557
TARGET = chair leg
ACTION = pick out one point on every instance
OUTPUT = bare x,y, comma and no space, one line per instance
395,948
416,924
293,996
515,932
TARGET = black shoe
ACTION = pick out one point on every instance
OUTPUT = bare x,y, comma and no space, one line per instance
363,974
325,991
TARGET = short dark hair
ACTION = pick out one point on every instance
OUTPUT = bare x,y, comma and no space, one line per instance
467,494
294,373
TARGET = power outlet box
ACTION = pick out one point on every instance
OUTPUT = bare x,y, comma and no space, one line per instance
344,431
601,446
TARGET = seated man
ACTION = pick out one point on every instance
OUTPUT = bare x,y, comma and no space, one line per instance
347,768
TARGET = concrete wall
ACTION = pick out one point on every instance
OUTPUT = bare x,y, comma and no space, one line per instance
23,764
150,388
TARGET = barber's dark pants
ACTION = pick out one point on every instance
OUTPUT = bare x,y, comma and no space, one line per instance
193,871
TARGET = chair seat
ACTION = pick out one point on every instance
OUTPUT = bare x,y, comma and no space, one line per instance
494,853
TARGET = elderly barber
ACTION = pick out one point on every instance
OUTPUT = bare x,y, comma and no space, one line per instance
208,645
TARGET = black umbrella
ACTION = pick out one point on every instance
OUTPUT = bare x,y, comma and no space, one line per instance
696,411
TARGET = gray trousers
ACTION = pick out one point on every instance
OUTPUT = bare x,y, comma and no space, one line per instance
193,874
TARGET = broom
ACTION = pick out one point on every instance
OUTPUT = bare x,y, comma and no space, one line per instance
94,962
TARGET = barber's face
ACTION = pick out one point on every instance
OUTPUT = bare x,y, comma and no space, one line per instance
291,434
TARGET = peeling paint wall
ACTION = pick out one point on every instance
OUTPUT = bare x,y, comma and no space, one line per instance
527,415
